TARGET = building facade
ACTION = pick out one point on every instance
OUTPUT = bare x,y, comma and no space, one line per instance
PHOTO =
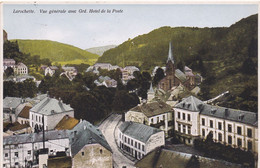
138,139
49,112
21,150
21,69
155,114
236,128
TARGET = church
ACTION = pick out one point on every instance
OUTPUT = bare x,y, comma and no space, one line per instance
175,77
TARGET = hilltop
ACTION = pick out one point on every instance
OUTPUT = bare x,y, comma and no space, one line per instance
225,56
57,52
100,50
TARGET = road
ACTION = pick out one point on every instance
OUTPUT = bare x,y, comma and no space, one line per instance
108,128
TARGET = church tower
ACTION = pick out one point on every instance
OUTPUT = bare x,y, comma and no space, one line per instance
170,68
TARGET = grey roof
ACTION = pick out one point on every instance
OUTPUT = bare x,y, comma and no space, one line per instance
35,137
153,108
85,134
138,131
170,56
11,102
193,104
190,103
180,75
49,105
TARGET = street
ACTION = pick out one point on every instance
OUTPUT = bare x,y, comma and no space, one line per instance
107,128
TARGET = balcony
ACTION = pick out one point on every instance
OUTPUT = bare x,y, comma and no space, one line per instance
186,122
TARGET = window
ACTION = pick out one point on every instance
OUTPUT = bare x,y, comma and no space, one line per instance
188,117
184,129
183,116
239,130
249,132
128,140
82,153
179,127
16,154
142,147
203,121
189,132
163,117
211,123
229,128
100,151
131,142
219,125
179,115
29,152
36,118
203,132
239,142
125,139
229,139
249,145
136,144
6,154
158,119
219,137
32,116
151,120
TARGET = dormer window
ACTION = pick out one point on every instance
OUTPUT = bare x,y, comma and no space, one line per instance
240,117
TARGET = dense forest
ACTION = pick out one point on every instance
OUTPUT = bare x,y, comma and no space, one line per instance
226,57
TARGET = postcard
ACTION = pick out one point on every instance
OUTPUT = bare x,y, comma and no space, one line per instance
124,85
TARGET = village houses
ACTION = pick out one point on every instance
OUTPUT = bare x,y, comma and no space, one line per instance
156,114
21,69
8,63
50,70
85,145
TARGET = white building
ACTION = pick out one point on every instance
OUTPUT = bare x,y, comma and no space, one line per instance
8,63
50,70
21,150
49,110
237,128
138,139
12,106
106,66
155,114
21,69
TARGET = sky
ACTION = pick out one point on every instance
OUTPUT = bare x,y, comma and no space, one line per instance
86,30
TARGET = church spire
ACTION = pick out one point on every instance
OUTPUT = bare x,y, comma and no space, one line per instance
170,56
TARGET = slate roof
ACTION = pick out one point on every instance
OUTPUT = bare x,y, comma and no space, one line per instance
172,159
190,103
25,112
153,108
193,104
180,75
47,105
11,102
138,131
67,123
35,137
85,133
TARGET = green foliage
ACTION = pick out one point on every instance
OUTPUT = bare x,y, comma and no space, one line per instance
55,51
159,75
220,151
230,54
23,89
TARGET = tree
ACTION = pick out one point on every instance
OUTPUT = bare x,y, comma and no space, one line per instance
159,75
9,71
248,67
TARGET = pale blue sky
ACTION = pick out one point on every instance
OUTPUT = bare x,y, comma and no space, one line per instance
92,30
